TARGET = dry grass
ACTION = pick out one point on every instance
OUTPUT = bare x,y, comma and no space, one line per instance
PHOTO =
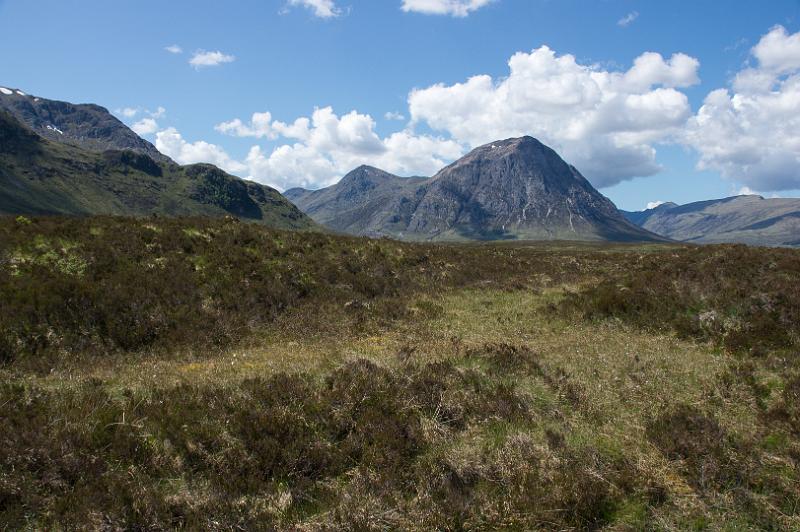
479,406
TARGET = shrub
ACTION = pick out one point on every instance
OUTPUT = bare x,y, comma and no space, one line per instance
98,285
743,298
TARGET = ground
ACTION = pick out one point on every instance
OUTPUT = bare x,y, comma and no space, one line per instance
519,395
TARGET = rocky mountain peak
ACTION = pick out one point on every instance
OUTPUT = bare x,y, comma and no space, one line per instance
86,126
366,175
516,188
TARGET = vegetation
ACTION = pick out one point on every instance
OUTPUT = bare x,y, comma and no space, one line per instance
187,374
744,298
40,176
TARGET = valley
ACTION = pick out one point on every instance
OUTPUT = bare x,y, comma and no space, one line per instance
266,330
215,374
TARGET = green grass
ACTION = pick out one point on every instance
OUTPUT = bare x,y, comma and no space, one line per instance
39,177
306,381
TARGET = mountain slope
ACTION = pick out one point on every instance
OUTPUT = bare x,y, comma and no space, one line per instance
641,217
86,126
741,219
367,201
511,189
39,176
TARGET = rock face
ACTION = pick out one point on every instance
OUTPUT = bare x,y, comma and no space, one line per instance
511,189
367,201
86,126
739,219
39,176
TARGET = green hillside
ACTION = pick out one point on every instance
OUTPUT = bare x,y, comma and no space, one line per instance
39,176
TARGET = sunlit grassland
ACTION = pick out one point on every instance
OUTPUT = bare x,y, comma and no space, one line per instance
522,394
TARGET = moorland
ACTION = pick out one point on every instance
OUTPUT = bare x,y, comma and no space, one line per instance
190,373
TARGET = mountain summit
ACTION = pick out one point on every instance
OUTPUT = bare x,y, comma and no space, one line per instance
40,176
511,189
86,126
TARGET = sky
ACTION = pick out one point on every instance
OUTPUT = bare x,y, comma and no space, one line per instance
652,101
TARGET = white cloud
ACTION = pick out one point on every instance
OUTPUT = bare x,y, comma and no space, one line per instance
607,122
172,144
411,154
324,147
750,133
260,126
128,112
604,122
628,19
778,51
174,49
145,126
650,69
202,59
320,8
654,204
746,191
456,8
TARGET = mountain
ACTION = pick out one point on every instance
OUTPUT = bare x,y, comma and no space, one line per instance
40,176
86,126
511,189
641,217
740,219
367,201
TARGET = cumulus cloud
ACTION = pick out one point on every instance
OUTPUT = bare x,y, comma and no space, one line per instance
455,8
203,59
654,204
604,122
174,49
628,19
777,51
172,144
148,124
320,8
750,133
319,149
607,122
145,126
260,126
127,112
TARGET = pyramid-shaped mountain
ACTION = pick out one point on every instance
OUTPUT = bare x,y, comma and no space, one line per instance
511,189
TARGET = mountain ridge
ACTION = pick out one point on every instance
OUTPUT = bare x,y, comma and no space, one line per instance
39,176
747,219
87,126
510,189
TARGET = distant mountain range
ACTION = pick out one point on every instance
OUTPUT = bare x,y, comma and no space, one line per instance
511,189
741,219
90,163
61,158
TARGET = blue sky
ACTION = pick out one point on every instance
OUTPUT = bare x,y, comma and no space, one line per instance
387,82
